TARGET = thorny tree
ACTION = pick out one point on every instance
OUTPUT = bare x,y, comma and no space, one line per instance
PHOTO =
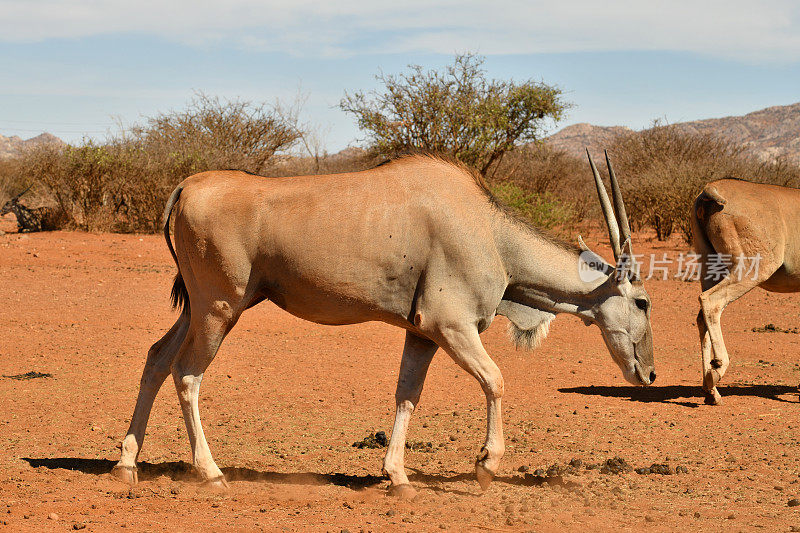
457,112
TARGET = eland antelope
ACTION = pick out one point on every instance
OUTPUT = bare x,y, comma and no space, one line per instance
752,231
418,243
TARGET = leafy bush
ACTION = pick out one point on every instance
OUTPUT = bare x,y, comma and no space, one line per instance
663,168
457,112
123,184
542,170
11,182
216,134
543,210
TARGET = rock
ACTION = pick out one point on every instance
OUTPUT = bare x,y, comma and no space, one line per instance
52,516
794,502
523,468
419,446
375,440
576,463
617,465
681,470
77,526
643,470
663,469
731,516
649,518
696,514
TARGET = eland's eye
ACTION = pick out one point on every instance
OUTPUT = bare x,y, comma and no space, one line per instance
641,303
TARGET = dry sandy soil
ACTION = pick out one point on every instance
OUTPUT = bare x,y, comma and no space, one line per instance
286,399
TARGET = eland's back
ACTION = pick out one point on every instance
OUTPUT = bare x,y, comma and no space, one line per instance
340,248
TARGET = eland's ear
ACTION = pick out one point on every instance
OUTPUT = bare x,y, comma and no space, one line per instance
592,260
627,268
583,245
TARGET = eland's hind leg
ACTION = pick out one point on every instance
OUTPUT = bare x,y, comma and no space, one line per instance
417,356
209,326
712,302
712,396
156,370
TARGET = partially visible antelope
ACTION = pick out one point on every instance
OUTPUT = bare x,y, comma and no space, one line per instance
754,229
418,243
30,219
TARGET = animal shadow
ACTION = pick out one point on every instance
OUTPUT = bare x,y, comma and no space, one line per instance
670,393
183,471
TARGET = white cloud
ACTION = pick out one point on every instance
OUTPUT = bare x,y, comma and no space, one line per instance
740,30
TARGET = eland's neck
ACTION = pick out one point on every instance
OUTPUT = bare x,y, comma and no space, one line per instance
544,274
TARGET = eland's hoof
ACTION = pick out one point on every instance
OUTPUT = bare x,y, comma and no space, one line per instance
484,475
404,491
217,484
713,397
126,474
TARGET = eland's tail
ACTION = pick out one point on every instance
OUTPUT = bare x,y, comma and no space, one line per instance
179,295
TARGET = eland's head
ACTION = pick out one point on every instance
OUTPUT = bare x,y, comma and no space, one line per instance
623,311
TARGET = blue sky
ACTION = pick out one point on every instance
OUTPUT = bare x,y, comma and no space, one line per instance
74,68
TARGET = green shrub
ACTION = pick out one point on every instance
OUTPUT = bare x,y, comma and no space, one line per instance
458,112
541,210
123,184
540,169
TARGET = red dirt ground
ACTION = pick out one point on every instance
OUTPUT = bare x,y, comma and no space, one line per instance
285,400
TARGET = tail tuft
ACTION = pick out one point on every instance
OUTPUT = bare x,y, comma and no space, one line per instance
179,295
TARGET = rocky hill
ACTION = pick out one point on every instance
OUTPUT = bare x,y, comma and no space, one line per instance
770,132
12,146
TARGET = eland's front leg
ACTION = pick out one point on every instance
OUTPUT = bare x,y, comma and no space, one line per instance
464,345
417,356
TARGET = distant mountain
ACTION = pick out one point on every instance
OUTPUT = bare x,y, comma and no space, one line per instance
13,146
768,133
574,139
